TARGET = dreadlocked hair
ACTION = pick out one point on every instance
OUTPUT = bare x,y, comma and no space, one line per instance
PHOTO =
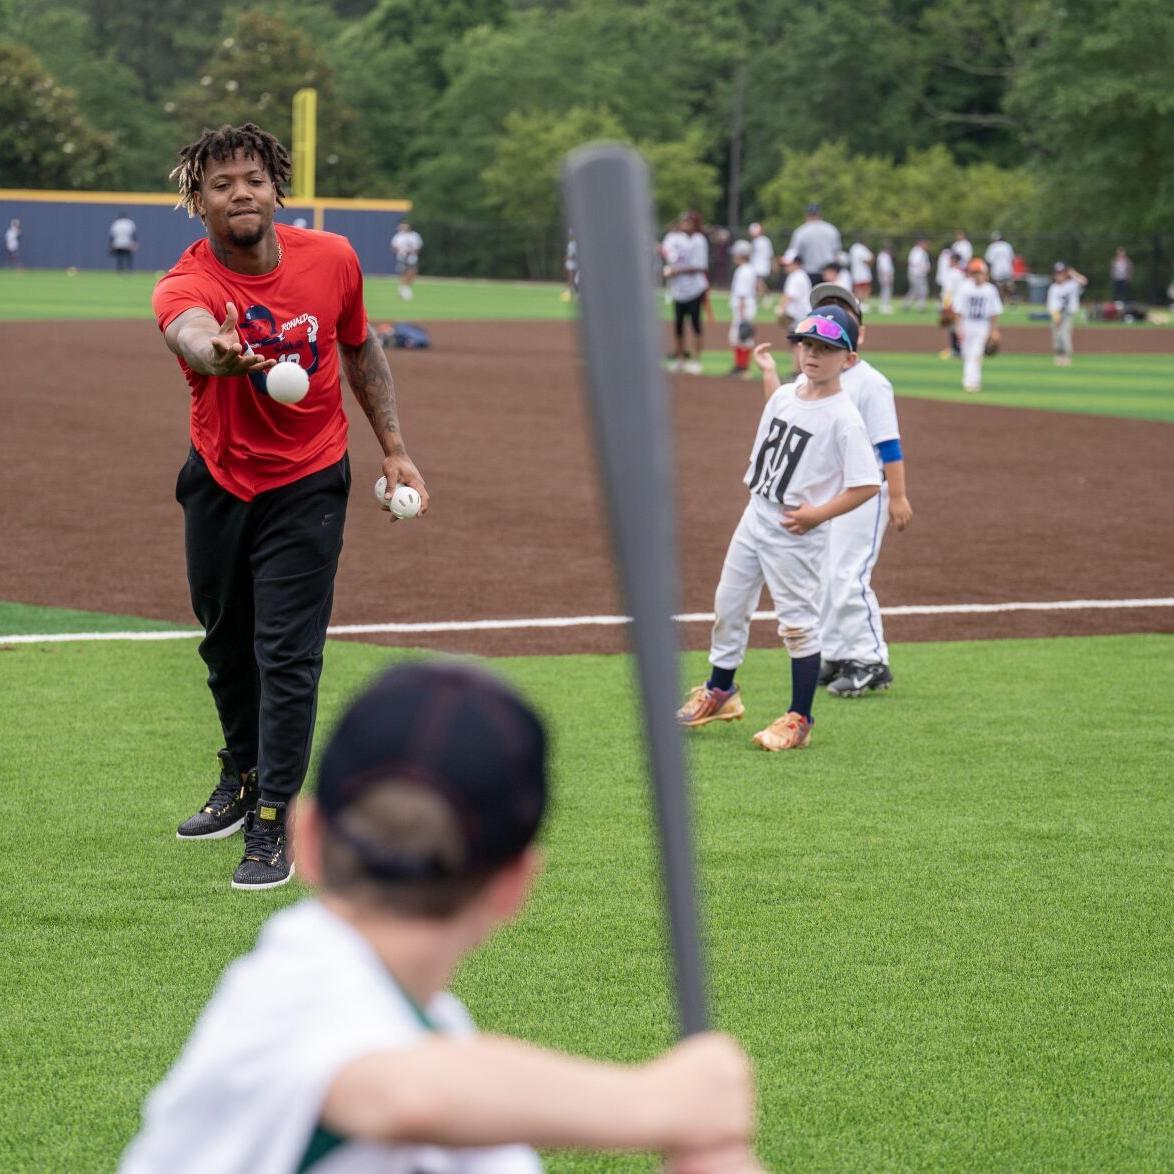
223,144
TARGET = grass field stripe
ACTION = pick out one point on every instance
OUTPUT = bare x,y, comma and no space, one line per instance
538,622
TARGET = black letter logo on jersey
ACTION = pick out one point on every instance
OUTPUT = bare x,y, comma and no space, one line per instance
777,459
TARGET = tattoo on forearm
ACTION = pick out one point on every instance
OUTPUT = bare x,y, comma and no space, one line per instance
370,378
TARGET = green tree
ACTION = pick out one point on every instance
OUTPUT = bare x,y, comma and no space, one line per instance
522,182
253,74
63,37
390,67
929,194
1096,110
45,139
653,65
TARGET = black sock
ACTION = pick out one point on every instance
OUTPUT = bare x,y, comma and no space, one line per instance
804,679
722,679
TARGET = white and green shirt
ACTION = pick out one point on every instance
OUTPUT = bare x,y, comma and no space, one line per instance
247,1091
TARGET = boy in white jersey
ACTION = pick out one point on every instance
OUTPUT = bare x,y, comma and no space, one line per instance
743,306
811,462
855,654
977,307
354,1057
1063,302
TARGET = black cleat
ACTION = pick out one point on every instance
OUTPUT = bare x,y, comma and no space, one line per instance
226,807
829,670
267,864
856,679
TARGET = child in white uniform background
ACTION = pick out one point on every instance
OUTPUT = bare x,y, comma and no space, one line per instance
978,306
1063,304
743,306
811,461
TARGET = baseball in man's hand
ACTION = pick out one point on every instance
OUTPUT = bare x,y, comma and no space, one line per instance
404,502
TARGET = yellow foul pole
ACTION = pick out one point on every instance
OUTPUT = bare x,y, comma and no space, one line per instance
305,142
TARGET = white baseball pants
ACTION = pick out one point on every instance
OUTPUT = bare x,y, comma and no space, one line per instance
1062,335
852,628
790,565
973,343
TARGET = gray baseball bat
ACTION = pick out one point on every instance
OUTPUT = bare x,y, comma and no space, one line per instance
609,206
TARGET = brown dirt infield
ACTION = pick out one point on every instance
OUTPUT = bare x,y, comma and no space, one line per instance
1010,505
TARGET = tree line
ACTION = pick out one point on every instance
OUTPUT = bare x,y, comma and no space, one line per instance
902,116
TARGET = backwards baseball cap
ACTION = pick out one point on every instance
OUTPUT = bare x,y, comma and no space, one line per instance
830,324
831,292
811,209
452,730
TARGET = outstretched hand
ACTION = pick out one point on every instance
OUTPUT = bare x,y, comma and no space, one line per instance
231,356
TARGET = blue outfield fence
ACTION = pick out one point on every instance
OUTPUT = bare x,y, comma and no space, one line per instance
62,230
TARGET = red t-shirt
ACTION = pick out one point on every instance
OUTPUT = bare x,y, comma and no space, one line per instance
310,302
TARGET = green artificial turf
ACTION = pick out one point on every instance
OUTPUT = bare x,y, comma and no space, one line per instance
22,619
1131,386
53,293
943,932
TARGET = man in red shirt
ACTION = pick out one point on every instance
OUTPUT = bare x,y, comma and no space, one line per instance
265,486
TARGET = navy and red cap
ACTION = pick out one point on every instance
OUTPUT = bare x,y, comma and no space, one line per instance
456,731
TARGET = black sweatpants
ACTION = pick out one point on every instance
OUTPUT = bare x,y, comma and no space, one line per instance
261,576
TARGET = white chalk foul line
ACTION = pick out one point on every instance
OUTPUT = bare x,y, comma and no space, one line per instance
698,617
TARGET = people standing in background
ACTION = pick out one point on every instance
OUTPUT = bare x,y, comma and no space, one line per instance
762,257
123,241
917,270
885,272
948,317
571,267
942,269
1063,302
743,306
12,244
962,247
1000,259
406,245
978,306
687,271
854,654
795,297
674,239
815,240
1121,274
811,462
860,259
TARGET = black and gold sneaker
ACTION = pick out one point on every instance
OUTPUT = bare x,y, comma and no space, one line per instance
227,806
267,862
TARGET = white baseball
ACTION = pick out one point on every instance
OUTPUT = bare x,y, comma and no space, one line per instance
404,503
287,383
